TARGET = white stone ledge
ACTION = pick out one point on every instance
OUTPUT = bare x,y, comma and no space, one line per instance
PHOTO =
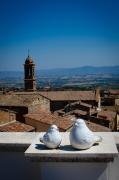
44,170
116,138
16,140
105,151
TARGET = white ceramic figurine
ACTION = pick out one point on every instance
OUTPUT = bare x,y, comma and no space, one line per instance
52,138
81,137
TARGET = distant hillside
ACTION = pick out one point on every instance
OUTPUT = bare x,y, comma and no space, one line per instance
65,71
11,74
80,71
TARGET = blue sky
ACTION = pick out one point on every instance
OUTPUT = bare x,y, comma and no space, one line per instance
59,33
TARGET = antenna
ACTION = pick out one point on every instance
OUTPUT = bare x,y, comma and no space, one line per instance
28,52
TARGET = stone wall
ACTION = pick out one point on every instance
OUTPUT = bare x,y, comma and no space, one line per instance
6,116
117,102
117,122
19,111
57,105
38,104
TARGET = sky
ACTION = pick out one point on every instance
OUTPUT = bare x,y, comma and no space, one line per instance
59,33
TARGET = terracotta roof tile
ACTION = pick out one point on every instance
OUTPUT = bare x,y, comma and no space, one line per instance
114,91
68,95
63,123
48,118
107,115
96,127
16,127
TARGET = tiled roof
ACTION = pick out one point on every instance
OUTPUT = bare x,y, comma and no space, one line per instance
96,127
19,99
28,98
80,112
63,123
68,95
43,117
16,127
114,91
48,118
107,115
108,108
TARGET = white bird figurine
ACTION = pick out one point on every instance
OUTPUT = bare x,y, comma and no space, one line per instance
52,138
81,137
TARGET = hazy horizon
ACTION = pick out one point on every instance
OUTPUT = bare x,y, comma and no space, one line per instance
59,34
22,70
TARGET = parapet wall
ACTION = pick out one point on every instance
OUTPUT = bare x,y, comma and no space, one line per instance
14,164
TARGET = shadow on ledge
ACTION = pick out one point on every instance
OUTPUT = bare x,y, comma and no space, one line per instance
62,147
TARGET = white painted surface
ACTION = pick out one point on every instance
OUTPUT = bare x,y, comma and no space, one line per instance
81,137
14,165
106,148
74,171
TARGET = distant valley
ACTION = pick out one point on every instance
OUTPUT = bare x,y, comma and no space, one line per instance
66,71
87,77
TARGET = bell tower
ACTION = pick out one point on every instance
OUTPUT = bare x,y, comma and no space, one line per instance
29,75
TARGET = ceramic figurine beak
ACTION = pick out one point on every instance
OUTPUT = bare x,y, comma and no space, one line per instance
76,124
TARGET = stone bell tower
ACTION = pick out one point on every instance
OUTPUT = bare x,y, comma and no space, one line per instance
29,75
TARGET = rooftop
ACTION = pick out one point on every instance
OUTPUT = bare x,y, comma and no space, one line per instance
16,127
29,60
48,118
107,115
114,91
68,95
19,99
96,127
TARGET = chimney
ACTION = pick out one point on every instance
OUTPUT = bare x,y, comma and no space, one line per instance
98,99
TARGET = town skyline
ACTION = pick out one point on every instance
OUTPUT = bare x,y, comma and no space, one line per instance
59,34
